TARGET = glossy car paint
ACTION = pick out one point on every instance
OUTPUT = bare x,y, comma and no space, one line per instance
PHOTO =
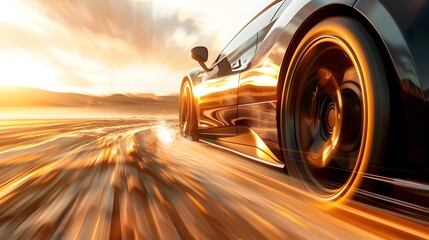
245,102
402,26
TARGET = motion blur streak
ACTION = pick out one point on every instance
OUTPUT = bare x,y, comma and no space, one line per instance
95,179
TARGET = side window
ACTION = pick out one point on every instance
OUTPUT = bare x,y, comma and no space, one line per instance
243,46
263,32
243,53
285,4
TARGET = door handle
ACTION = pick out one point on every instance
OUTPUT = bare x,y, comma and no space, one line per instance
237,64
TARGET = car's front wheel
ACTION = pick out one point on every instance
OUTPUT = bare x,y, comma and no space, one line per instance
334,109
187,114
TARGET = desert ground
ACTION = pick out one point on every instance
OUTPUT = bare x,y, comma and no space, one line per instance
135,178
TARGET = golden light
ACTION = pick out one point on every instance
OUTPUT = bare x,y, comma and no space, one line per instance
18,14
21,69
164,133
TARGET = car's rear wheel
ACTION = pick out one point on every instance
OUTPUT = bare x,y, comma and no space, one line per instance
187,114
334,109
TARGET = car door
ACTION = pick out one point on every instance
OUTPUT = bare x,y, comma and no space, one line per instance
217,94
257,91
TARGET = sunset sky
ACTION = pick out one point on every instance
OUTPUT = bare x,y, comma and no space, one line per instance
112,46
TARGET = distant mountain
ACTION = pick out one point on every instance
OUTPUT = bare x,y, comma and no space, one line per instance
16,97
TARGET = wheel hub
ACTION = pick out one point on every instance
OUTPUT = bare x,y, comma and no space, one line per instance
328,118
331,118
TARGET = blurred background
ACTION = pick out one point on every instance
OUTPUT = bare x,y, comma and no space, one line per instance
102,47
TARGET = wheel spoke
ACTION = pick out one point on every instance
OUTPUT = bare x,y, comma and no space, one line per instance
350,74
316,149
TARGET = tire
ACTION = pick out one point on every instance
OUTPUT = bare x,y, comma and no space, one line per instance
187,113
334,109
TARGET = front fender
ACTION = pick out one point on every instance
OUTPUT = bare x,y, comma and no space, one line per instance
194,76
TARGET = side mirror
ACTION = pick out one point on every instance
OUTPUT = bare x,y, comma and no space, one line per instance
201,54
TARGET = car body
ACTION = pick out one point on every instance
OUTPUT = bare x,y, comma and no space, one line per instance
300,76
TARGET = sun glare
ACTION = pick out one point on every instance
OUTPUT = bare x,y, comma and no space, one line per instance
164,133
20,69
18,14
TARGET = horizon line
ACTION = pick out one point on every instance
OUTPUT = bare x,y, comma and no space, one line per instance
91,94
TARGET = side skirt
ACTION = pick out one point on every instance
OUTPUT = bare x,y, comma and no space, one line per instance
247,144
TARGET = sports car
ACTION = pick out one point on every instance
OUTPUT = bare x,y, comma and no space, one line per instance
335,92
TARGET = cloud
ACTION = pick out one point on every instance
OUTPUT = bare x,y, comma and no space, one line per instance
118,32
75,80
21,38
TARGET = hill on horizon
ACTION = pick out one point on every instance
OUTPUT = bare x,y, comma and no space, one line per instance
23,97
